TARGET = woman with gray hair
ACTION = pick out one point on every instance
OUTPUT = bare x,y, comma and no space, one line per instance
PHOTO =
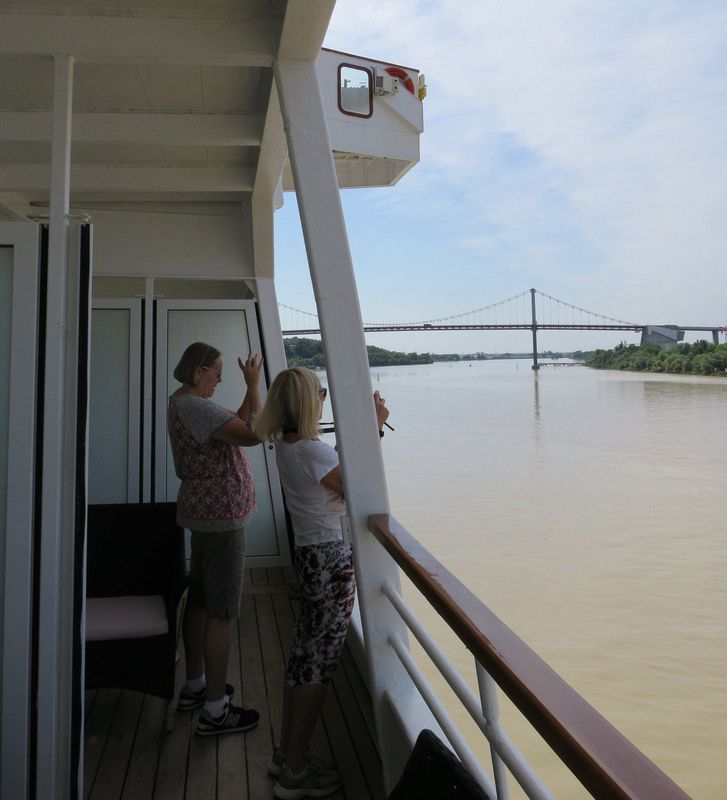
311,478
215,499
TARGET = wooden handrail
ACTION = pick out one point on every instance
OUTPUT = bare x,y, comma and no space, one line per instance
603,760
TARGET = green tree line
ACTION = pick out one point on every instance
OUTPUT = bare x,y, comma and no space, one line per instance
309,353
700,358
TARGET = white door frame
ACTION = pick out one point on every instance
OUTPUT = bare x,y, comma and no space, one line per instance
15,699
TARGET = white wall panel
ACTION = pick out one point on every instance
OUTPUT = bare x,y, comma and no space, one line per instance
172,245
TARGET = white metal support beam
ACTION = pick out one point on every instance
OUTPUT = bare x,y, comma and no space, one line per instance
102,179
140,39
270,326
213,130
305,26
57,509
273,153
349,377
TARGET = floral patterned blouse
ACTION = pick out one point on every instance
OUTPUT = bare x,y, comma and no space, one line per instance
217,491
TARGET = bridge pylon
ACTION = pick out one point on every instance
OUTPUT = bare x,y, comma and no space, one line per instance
535,366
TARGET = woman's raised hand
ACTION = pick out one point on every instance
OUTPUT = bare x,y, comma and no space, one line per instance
382,412
251,369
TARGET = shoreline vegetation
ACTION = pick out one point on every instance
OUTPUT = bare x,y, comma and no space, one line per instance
308,353
698,358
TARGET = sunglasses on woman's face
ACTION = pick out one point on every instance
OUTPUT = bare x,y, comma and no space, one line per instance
323,392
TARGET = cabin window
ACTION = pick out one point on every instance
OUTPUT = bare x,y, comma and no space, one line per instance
355,93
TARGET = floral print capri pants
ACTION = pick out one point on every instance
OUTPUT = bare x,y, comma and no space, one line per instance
328,591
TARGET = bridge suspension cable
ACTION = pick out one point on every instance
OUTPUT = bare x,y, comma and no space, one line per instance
473,311
585,310
521,310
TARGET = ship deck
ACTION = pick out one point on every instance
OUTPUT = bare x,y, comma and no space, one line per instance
129,756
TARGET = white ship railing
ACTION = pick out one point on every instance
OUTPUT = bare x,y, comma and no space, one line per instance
601,758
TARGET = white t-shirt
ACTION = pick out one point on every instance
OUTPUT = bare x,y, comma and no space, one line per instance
315,510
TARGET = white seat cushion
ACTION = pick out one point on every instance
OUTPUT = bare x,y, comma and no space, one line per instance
132,617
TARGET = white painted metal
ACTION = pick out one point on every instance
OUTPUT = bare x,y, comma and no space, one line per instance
491,714
17,564
196,243
105,180
349,378
189,129
490,727
58,477
140,39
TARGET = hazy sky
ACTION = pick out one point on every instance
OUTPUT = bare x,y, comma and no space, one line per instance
577,147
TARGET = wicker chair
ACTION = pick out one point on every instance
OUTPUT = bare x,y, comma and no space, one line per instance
135,580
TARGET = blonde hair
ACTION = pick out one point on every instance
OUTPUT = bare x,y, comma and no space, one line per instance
292,405
195,356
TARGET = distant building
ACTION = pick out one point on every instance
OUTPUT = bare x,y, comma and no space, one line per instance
666,336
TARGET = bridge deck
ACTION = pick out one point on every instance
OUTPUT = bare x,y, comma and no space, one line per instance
129,757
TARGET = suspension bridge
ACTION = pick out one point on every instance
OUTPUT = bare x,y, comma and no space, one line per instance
530,310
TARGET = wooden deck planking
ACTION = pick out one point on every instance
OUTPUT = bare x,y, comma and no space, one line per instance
112,770
98,724
144,759
128,756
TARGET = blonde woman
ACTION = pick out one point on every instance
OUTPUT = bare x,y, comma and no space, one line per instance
311,478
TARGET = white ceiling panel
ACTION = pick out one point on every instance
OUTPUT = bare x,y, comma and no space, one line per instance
24,152
186,156
232,155
232,88
92,153
170,88
112,86
26,84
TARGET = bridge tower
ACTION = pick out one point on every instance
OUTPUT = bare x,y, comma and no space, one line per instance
534,327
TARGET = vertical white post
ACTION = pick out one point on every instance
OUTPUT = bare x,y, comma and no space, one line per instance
491,712
349,378
55,654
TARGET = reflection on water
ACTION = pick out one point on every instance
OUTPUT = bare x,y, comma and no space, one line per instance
587,509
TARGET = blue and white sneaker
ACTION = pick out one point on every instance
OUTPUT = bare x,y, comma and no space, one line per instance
233,719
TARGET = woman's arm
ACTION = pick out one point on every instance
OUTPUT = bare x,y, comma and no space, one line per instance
251,403
334,480
235,431
239,430
382,412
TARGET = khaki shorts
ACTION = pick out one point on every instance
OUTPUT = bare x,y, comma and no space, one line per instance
217,564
